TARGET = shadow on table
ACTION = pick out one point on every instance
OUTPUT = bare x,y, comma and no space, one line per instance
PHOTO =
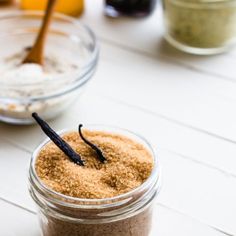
165,49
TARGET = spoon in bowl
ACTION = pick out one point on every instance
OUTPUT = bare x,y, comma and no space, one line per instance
36,53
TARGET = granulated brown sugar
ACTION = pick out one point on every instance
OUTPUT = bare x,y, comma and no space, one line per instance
128,165
137,225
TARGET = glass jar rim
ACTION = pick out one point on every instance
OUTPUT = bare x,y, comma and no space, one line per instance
73,21
153,180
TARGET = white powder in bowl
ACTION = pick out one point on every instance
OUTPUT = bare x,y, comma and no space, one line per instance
12,71
20,82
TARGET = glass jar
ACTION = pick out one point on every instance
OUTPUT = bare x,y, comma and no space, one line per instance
69,7
68,40
136,8
124,215
200,26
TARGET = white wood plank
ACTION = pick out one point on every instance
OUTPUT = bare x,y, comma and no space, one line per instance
169,223
188,187
203,193
14,165
18,222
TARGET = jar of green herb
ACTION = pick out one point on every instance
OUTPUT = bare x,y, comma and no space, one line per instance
200,26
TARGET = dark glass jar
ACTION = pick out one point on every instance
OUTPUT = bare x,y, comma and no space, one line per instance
136,8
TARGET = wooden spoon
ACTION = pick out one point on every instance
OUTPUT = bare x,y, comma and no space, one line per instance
36,53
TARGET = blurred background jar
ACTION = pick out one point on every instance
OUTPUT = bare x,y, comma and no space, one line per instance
136,8
69,7
200,26
6,2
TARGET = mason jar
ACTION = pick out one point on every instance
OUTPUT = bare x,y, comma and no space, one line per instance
200,26
127,214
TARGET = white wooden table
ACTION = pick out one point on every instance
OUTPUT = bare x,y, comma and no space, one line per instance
185,105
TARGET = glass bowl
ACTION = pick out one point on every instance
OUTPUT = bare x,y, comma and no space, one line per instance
68,40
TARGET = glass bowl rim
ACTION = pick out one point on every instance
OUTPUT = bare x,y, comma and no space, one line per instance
92,61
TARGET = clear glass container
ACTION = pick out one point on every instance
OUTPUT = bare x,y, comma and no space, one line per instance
128,214
200,26
135,8
70,40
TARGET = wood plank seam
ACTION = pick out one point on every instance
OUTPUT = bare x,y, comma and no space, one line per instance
170,60
17,205
172,120
222,171
196,220
16,145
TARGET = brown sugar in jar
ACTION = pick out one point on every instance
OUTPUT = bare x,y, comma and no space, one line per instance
114,198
